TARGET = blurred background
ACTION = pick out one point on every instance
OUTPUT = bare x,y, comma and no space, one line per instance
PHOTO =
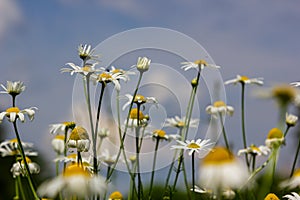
253,38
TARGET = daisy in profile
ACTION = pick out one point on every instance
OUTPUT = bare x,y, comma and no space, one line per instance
139,100
108,77
293,196
123,73
219,107
293,182
291,120
74,181
79,139
256,151
275,138
245,80
13,88
178,122
143,64
162,135
221,170
86,70
198,64
18,168
58,144
61,127
14,113
134,117
199,146
86,52
10,148
116,195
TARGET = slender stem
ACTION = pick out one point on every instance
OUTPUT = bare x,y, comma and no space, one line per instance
276,150
178,170
28,175
137,141
193,170
295,159
16,189
21,188
186,181
57,166
153,167
79,159
243,122
65,147
223,131
253,162
286,130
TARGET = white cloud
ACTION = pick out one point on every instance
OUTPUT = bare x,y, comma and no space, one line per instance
10,15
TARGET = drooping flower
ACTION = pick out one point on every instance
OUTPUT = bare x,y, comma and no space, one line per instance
143,64
58,144
293,196
79,139
245,80
293,182
275,138
219,107
199,146
18,168
13,88
116,195
139,100
86,70
290,120
198,64
61,127
74,181
254,150
14,113
271,196
134,117
10,148
178,122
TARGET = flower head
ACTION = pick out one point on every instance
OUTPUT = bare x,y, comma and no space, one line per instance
116,196
124,75
86,70
290,119
275,138
271,196
13,88
134,116
10,148
86,52
143,64
61,127
107,77
18,168
139,100
180,122
79,139
254,150
245,80
293,196
284,94
161,134
293,182
14,113
199,146
107,158
198,64
219,107
58,144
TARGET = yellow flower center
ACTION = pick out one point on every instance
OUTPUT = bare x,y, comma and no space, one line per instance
78,133
271,196
219,104
74,170
86,68
116,71
104,76
116,196
70,125
134,114
275,133
27,160
139,99
60,137
244,78
284,93
15,140
13,110
297,172
254,148
193,145
72,156
201,62
180,124
218,155
160,133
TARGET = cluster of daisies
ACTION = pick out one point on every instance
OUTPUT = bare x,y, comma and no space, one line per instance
85,170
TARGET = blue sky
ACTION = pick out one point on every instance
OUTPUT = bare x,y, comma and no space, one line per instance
253,38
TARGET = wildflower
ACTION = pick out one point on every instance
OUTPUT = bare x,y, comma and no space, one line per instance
293,196
74,181
293,182
116,195
86,70
106,77
219,107
254,150
18,168
245,80
139,100
123,73
143,64
290,120
86,52
271,196
180,122
61,127
103,133
10,148
13,88
199,146
295,84
134,116
275,138
79,139
58,144
284,94
14,113
198,64
107,158
161,134
220,170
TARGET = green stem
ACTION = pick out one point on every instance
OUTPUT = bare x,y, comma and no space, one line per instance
243,123
16,197
186,181
286,130
224,132
137,141
193,171
253,161
21,187
295,159
65,147
153,167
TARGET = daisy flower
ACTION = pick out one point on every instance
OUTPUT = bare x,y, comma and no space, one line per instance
107,77
116,195
271,196
221,170
178,122
14,113
143,64
138,99
293,196
161,134
125,74
245,80
275,138
58,144
87,70
18,168
79,139
293,182
198,64
219,107
103,133
61,127
254,150
10,148
86,52
107,157
13,88
295,84
290,119
133,118
74,181
199,146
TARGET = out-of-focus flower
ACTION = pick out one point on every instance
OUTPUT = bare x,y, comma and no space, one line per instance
199,146
271,196
219,107
293,182
86,52
161,134
290,120
134,116
75,181
58,144
79,139
245,80
180,122
14,113
61,127
254,150
227,194
107,158
116,195
275,138
198,64
13,88
103,133
143,64
139,99
18,168
295,84
293,196
10,148
86,70
220,170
